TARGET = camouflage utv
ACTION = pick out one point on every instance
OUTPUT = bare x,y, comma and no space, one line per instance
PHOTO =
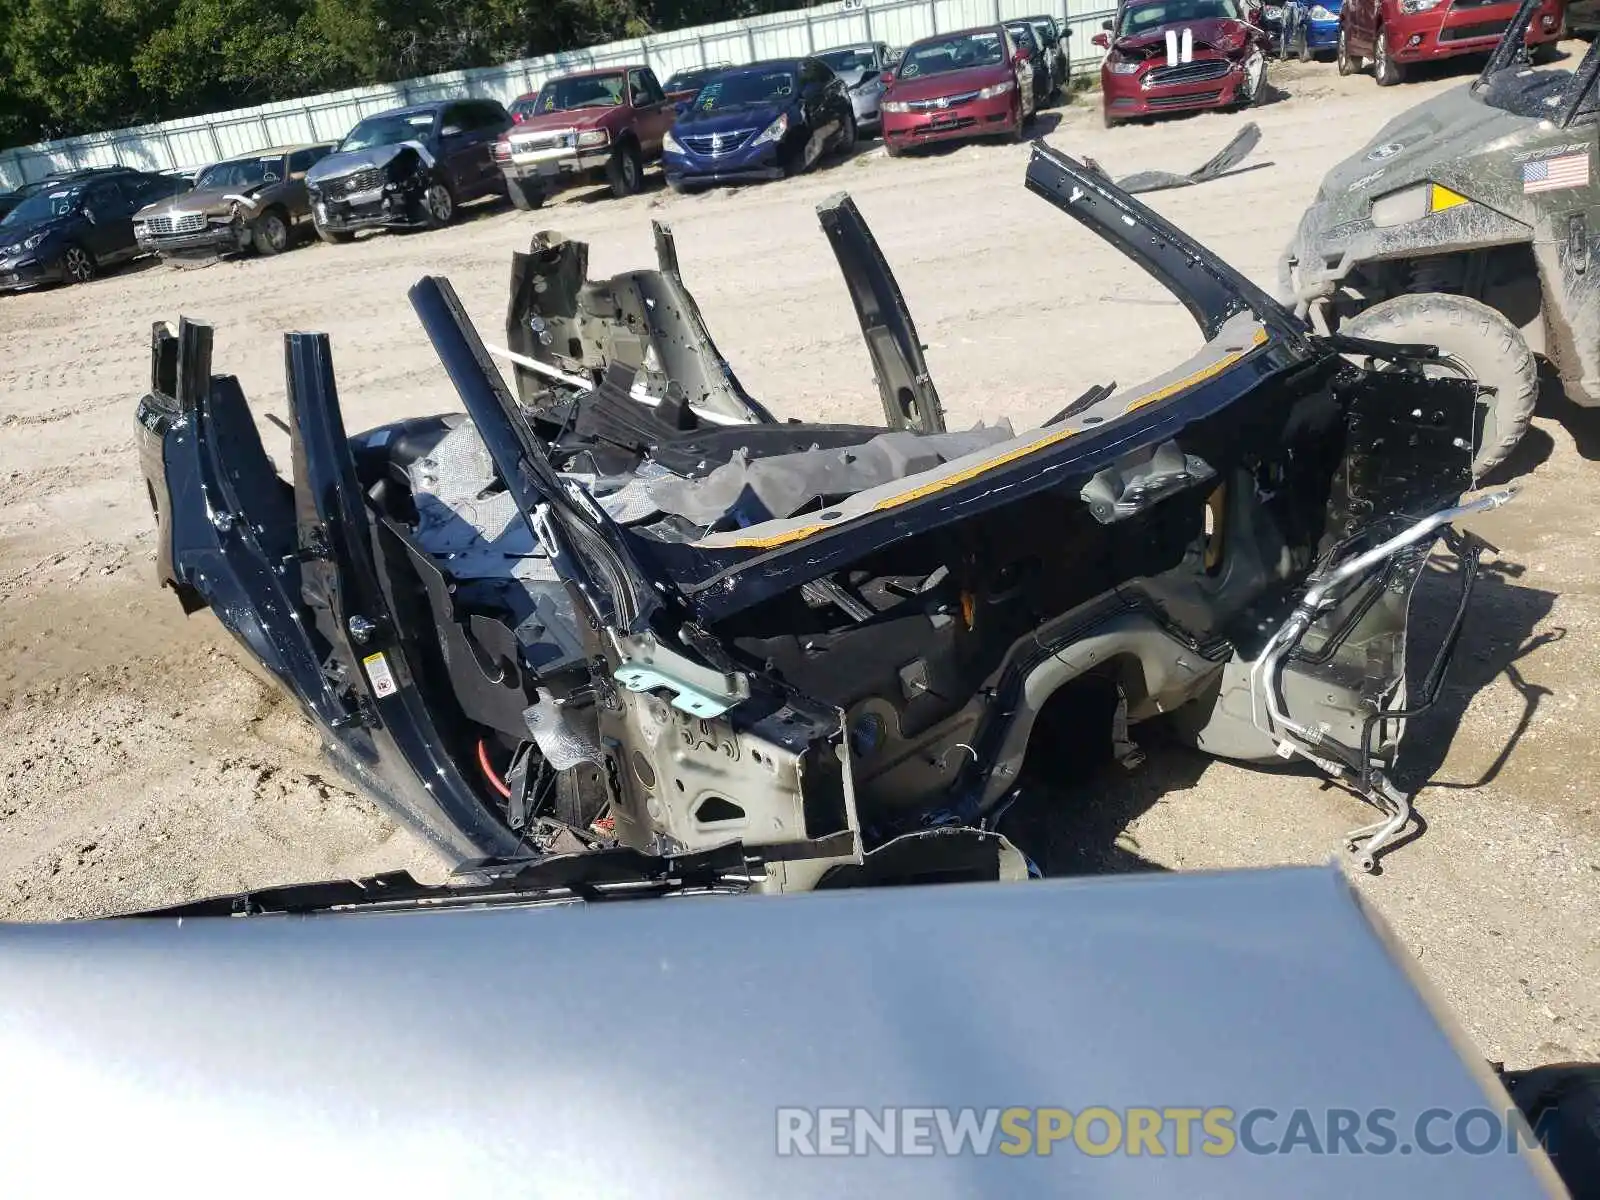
1469,223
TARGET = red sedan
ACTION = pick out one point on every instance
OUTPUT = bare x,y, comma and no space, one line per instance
976,83
1167,56
1393,33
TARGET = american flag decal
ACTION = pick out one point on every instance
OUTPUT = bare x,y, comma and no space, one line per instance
1553,174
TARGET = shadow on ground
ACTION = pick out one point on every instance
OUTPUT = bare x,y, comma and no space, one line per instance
1498,634
1075,801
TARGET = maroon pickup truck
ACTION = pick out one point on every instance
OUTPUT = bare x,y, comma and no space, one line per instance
593,126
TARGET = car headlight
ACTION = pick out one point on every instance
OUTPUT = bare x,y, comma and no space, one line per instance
773,132
1318,13
999,89
896,106
26,244
594,137
1122,66
1419,6
1413,203
671,144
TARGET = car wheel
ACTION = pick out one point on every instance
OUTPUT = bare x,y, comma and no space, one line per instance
78,265
625,171
680,187
1348,63
334,237
1476,342
271,234
847,136
1107,119
438,205
525,196
891,149
1384,69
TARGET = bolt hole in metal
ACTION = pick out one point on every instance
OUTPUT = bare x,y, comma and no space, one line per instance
716,810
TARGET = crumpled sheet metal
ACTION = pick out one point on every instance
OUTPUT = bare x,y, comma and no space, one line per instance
465,517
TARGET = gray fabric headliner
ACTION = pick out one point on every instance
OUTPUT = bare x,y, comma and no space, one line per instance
785,484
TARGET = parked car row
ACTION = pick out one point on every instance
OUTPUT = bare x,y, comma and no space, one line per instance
413,167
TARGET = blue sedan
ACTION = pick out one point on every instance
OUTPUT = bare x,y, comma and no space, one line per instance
1311,30
763,121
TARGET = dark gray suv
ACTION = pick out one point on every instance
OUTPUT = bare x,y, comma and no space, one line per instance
409,167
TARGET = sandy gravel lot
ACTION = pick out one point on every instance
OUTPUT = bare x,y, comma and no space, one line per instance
140,764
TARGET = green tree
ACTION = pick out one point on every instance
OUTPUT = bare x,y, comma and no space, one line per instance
232,53
70,61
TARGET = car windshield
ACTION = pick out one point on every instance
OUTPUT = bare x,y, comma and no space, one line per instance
938,55
690,81
388,129
591,91
860,58
242,173
1137,18
744,87
42,205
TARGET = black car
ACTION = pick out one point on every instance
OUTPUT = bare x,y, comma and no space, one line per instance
408,168
72,225
1052,39
1026,37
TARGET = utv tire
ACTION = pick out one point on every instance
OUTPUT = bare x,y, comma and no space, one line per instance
270,234
438,205
525,197
1347,63
335,237
1384,69
1483,343
625,171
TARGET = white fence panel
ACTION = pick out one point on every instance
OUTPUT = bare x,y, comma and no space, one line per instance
194,141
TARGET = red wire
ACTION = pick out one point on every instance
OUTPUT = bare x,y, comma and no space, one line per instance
488,771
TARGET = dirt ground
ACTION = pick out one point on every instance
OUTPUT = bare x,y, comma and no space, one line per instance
140,764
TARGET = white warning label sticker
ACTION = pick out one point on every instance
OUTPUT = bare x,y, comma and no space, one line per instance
382,677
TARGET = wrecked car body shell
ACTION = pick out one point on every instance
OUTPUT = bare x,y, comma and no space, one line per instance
821,642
